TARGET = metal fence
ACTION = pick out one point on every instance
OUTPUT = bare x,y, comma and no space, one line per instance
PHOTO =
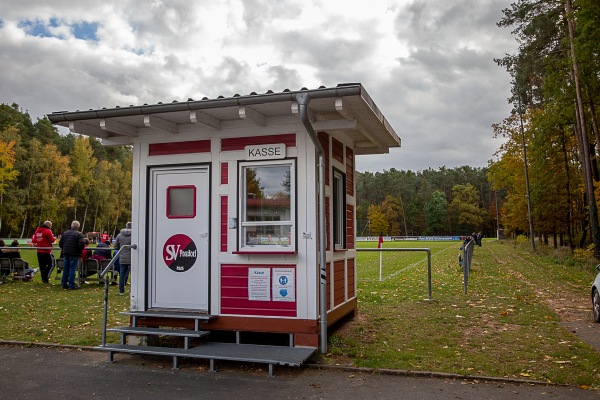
465,259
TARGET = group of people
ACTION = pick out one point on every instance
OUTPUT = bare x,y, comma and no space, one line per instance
74,247
13,252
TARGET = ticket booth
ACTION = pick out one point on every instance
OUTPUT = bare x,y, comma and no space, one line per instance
244,206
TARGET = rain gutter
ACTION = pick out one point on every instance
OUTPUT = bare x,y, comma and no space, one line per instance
303,99
249,100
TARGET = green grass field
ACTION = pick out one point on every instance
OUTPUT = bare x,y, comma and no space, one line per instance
506,325
502,326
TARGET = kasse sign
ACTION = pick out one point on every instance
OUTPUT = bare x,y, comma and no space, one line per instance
265,152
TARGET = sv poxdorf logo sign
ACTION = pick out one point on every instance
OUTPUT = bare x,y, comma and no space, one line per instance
180,253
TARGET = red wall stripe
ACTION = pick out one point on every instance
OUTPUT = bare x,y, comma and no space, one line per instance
337,150
349,171
351,274
339,290
224,173
240,143
224,227
195,146
234,294
350,234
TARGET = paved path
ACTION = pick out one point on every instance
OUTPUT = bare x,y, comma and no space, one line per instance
67,373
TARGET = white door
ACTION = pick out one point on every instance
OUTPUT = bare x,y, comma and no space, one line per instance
179,238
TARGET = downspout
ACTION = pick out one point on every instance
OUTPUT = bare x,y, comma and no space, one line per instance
303,99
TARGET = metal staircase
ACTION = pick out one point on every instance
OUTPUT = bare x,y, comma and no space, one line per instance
202,347
196,342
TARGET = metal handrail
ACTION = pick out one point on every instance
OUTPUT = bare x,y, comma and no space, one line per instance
411,249
105,300
467,255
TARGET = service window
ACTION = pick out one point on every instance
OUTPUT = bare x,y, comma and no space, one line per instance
339,210
181,202
268,206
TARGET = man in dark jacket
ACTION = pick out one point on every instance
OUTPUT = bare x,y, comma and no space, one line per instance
124,238
72,244
44,239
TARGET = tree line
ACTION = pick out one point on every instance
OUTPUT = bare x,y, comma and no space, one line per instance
457,201
48,176
554,122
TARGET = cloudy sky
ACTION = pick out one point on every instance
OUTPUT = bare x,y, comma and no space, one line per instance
427,64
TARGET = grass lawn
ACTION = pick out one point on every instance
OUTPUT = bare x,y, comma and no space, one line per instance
506,325
39,313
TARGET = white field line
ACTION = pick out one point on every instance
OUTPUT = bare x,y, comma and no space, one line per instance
407,267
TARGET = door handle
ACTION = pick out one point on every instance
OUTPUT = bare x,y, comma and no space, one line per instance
203,235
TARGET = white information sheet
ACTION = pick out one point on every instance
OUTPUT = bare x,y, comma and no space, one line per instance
284,284
259,280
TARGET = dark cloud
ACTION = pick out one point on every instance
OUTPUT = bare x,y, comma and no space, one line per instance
428,65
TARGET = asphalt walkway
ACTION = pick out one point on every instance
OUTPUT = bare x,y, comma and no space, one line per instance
70,373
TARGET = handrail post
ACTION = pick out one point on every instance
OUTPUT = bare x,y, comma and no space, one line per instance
102,275
429,271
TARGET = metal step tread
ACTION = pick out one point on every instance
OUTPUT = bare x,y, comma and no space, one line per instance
158,331
169,314
276,355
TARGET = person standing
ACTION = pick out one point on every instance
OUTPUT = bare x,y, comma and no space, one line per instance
71,242
43,237
123,239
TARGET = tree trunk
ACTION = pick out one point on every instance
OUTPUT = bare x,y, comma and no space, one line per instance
586,159
24,224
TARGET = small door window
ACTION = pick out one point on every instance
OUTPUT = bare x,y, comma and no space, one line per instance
181,201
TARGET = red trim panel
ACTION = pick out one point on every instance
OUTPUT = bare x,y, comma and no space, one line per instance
350,234
234,294
337,150
224,173
349,172
327,223
163,149
240,143
339,289
351,277
224,204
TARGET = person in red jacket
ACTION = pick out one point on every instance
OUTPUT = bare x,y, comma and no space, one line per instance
43,237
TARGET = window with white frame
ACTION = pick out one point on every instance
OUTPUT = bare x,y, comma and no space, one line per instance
267,205
339,209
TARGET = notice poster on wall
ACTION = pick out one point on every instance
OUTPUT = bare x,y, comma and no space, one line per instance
259,280
284,284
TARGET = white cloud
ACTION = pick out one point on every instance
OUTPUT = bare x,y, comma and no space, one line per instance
428,65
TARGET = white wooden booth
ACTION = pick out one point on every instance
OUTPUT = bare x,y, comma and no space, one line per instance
226,204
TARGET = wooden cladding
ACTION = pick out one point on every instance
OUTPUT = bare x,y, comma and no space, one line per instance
240,143
234,294
337,150
349,171
224,173
339,283
224,226
163,149
351,271
350,226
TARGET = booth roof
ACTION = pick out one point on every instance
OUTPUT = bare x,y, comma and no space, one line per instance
346,108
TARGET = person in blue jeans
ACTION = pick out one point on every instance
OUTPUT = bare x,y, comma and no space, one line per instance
124,239
72,244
